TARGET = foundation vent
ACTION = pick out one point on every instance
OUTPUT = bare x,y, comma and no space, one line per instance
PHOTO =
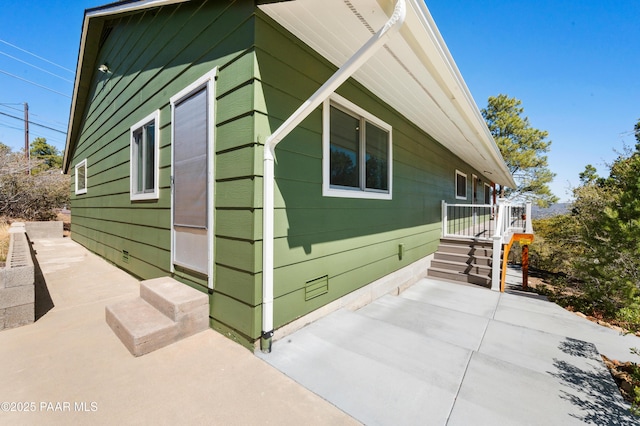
316,287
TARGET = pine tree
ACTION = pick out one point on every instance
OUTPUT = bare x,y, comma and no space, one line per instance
523,148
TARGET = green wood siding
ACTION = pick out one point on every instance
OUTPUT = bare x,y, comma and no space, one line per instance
352,241
153,55
264,75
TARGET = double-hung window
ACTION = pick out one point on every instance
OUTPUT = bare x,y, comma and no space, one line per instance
461,185
357,152
144,158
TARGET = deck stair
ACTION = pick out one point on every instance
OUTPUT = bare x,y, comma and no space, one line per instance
463,259
166,312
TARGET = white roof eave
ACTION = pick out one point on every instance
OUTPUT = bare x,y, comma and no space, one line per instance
433,95
431,92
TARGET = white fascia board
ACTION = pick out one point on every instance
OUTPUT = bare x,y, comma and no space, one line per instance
468,104
122,7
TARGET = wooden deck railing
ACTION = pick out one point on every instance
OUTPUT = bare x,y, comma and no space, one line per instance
495,223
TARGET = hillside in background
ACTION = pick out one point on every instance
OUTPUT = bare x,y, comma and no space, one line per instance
553,210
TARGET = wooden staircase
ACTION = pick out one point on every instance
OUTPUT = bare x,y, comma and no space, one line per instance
463,259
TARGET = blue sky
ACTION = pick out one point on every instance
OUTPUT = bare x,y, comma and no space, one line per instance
574,65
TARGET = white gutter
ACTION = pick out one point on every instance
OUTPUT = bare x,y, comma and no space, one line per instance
340,76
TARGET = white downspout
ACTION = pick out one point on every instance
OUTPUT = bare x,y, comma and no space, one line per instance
330,86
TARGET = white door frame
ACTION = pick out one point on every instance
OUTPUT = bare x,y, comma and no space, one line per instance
208,81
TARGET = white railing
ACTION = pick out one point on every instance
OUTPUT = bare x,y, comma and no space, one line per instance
510,219
468,221
487,222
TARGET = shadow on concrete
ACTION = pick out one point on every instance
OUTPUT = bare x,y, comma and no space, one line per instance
43,302
591,389
578,348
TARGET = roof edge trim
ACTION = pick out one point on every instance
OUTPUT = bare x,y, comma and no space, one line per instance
91,15
127,6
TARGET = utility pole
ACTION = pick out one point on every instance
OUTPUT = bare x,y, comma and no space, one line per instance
27,154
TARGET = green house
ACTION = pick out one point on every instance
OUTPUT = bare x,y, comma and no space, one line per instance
175,101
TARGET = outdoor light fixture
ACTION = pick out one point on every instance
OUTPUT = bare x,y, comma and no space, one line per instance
104,68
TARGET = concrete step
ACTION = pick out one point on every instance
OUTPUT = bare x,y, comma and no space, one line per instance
165,312
463,258
140,326
186,306
459,276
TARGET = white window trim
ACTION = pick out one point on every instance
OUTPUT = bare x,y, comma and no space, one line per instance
474,189
327,189
484,191
83,163
466,184
208,80
155,117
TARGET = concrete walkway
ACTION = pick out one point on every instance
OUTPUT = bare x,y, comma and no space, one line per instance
70,368
452,354
440,353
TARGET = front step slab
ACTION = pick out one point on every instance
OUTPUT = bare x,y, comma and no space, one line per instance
172,298
188,307
140,326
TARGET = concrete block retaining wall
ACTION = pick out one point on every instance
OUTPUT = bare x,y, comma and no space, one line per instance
17,279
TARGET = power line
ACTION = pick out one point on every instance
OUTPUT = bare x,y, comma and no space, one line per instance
34,123
42,118
36,56
8,126
35,84
14,108
35,66
628,133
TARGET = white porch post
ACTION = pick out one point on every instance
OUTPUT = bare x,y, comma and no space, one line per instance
444,218
497,246
528,224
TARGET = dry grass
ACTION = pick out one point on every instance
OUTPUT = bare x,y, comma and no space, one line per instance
65,217
4,239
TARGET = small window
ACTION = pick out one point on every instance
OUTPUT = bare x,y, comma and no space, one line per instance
461,185
356,152
144,158
81,177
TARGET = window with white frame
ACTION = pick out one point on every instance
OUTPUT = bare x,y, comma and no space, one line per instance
487,193
357,152
144,158
461,185
81,177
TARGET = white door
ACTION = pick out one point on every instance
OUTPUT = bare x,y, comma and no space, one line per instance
192,203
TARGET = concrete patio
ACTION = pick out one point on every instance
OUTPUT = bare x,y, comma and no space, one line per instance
444,353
